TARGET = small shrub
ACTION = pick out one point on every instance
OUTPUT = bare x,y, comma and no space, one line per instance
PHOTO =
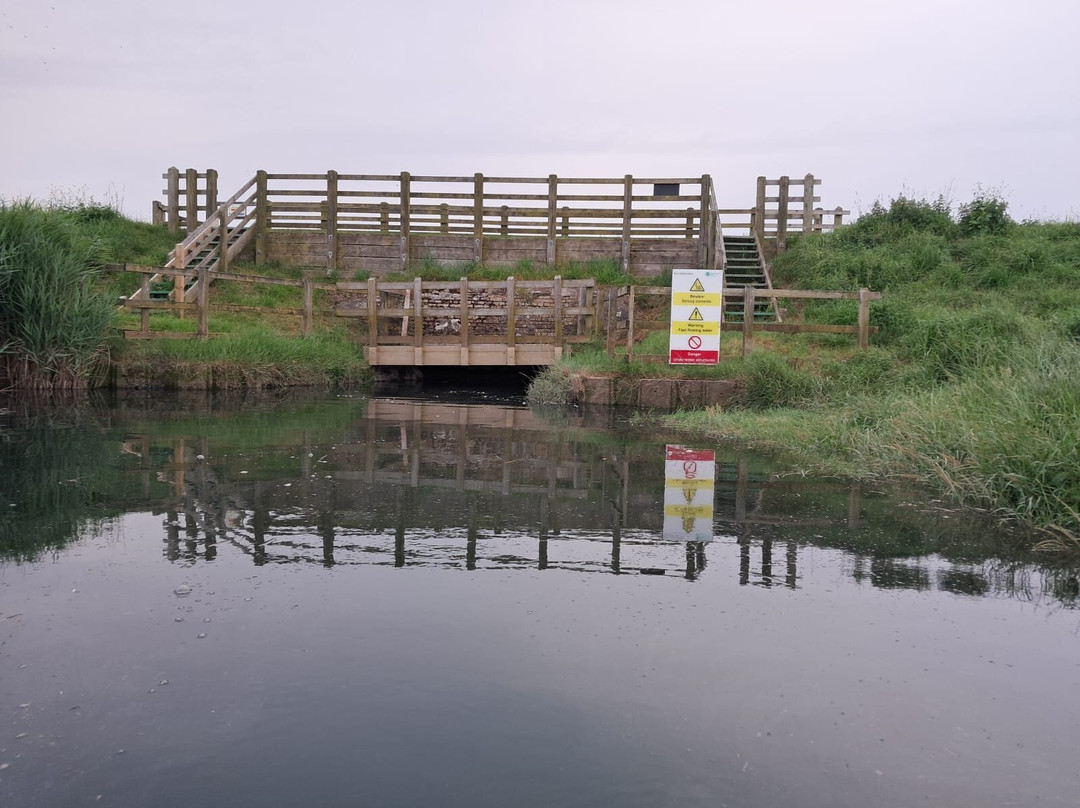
985,214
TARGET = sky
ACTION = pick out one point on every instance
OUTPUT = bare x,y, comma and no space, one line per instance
919,97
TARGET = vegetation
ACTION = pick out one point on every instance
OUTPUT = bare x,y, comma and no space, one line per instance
973,383
53,322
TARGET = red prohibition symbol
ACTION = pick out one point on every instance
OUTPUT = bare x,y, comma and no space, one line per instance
689,469
694,342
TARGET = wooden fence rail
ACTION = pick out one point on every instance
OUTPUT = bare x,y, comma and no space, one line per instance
624,316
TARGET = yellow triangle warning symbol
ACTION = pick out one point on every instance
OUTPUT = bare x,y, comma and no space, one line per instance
696,314
697,287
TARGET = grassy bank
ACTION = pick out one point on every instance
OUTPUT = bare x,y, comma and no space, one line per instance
59,323
973,384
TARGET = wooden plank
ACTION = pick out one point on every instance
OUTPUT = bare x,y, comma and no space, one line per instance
627,213
191,188
864,318
748,321
478,217
553,201
331,224
172,199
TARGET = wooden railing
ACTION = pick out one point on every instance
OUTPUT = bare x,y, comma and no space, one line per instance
212,245
201,306
470,322
778,213
191,197
625,327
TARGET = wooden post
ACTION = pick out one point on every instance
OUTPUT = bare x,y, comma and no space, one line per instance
504,220
262,217
211,192
444,218
630,328
704,228
748,321
627,215
556,291
782,213
373,315
610,319
405,204
808,203
331,221
758,216
464,325
204,302
553,203
819,221
581,302
384,217
511,321
307,289
478,218
223,240
689,223
864,318
191,190
144,315
418,325
179,281
565,222
838,217
172,199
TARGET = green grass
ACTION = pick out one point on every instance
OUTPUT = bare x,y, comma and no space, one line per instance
972,385
605,272
53,320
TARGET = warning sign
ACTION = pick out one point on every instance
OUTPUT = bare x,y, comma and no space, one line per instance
697,300
689,482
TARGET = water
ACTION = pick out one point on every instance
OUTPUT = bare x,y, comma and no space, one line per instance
337,601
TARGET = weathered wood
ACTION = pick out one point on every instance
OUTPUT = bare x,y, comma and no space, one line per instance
372,312
864,318
553,202
211,195
203,281
418,313
556,292
478,217
463,320
706,218
404,209
191,208
511,318
331,224
144,315
627,215
757,217
782,213
748,321
808,203
307,306
172,200
630,327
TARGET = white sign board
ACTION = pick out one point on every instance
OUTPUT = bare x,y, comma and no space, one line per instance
697,301
689,483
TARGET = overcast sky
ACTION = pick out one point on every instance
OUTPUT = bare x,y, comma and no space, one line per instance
876,98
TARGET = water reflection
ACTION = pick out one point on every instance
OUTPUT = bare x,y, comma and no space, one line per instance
408,483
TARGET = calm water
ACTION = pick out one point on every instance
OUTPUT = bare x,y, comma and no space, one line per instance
375,602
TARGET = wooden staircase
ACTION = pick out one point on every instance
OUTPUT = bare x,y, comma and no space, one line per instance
210,248
744,266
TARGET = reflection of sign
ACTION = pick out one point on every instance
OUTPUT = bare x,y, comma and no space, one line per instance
696,304
689,479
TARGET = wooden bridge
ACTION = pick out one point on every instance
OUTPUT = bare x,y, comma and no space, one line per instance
346,224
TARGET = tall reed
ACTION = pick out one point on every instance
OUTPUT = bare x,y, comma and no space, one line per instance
53,324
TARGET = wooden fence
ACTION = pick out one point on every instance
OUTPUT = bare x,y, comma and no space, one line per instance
468,322
625,327
191,198
383,222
